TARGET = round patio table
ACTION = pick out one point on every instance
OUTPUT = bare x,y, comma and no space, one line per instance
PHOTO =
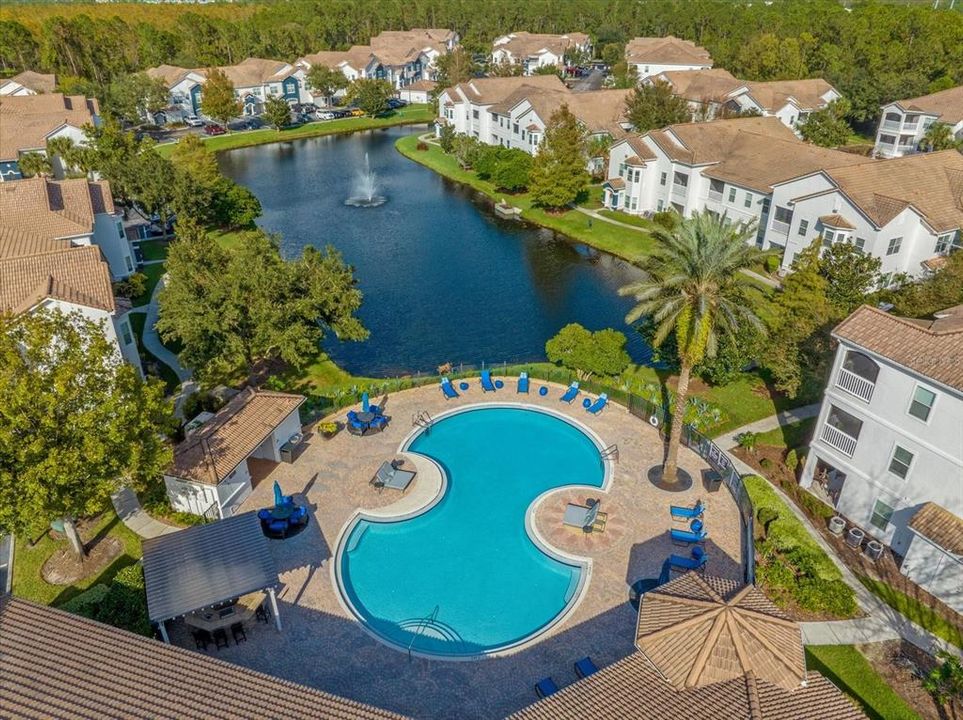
282,512
366,417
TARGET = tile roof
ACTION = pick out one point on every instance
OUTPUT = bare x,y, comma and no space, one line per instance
525,44
600,110
808,93
932,183
58,666
931,349
421,85
489,91
211,452
54,208
38,82
715,84
698,632
947,104
15,242
668,50
27,120
170,74
835,220
397,47
252,72
939,525
77,275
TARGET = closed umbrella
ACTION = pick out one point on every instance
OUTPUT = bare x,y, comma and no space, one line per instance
364,402
278,495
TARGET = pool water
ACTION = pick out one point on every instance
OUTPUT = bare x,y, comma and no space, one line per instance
465,578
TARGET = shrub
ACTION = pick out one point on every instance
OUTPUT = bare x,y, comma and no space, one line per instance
747,440
422,146
446,137
772,263
122,604
792,461
765,516
131,286
766,464
667,219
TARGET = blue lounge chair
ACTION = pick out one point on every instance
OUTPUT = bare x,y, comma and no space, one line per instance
380,422
523,382
687,563
596,407
355,425
448,389
685,513
684,536
571,393
585,667
486,381
545,687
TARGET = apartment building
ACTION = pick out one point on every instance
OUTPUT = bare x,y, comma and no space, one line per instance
28,83
653,55
903,123
887,449
29,121
537,50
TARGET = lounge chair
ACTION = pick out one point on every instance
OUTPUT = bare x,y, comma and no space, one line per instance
585,517
545,687
687,563
389,476
523,382
571,393
686,537
448,389
486,381
585,667
380,422
355,425
596,407
686,513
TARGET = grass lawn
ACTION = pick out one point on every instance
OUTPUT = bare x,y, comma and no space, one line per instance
154,249
137,321
914,610
409,115
791,436
27,582
627,219
846,667
230,239
154,274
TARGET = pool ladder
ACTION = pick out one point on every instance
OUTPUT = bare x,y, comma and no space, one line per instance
611,452
422,420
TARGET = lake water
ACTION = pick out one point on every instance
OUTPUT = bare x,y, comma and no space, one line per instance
444,280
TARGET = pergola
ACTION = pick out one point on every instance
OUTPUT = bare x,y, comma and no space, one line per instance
207,565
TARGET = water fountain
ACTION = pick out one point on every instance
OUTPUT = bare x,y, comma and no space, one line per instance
365,188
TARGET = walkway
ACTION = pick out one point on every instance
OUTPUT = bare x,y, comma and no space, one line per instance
152,342
134,517
730,441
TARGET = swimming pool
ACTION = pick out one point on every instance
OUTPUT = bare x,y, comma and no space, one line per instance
465,578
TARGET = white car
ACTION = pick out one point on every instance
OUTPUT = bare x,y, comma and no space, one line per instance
194,121
325,115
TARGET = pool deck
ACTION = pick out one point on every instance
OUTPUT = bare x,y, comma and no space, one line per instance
323,646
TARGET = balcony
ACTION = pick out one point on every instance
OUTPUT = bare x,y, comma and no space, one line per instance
779,227
836,438
679,191
854,384
892,124
715,195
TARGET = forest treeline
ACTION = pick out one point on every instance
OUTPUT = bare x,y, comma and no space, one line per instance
871,52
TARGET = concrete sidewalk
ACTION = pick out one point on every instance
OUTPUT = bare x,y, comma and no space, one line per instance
772,422
134,517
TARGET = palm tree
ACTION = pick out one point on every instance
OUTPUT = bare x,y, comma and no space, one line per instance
693,287
34,163
938,136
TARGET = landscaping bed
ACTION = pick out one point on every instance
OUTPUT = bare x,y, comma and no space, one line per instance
902,665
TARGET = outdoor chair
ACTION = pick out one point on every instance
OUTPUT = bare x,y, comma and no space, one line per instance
220,639
585,667
686,513
380,422
201,639
299,516
486,381
523,382
571,393
261,614
237,630
448,389
278,528
685,537
597,407
388,476
545,687
681,562
586,517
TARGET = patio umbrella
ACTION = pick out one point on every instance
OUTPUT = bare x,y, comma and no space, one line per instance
278,495
364,401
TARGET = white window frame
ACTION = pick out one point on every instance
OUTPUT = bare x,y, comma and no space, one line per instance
913,400
892,458
873,513
732,195
748,201
803,228
890,249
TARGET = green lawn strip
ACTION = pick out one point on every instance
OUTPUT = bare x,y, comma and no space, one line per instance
410,115
846,668
167,374
230,239
791,436
28,561
154,273
154,249
625,218
913,609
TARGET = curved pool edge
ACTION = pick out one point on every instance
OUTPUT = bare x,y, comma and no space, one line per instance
380,516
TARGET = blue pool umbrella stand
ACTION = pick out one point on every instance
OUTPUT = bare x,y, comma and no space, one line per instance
364,402
278,495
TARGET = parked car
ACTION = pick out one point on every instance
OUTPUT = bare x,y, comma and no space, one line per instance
213,129
326,115
357,112
395,103
193,121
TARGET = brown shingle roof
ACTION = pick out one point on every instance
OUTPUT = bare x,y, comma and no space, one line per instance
27,120
947,104
774,95
698,632
397,47
926,348
77,275
54,208
58,666
525,44
488,91
938,524
835,220
421,85
210,453
252,72
38,82
714,84
170,74
600,110
668,50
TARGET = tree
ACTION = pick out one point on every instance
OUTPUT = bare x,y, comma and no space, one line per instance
154,181
233,310
452,68
137,97
504,68
558,172
466,150
828,127
218,100
513,170
76,423
654,106
588,353
277,112
446,137
942,289
62,148
547,70
370,95
850,274
945,681
693,287
326,82
939,136
34,163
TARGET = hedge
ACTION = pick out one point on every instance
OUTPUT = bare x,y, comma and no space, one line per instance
122,604
791,565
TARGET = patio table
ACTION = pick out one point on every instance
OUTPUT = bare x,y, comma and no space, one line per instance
366,417
212,620
282,512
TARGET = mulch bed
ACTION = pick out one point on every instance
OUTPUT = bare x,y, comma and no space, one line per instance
902,665
64,568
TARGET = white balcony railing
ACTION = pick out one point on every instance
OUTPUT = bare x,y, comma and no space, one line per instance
715,195
779,227
854,384
679,191
846,444
891,124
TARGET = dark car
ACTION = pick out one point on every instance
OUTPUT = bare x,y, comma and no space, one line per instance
213,129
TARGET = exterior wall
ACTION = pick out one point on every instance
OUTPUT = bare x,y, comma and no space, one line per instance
127,342
109,235
934,570
413,96
936,445
644,70
900,132
16,89
233,490
189,497
270,449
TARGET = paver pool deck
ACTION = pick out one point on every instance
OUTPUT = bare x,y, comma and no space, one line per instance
324,646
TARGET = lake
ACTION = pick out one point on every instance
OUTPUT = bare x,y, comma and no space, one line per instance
444,280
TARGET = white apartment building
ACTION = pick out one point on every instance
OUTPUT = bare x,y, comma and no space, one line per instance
653,55
904,122
28,83
887,449
537,50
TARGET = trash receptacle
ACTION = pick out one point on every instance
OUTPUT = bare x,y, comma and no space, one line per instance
287,453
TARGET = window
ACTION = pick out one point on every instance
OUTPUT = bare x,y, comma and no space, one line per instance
732,195
828,237
680,179
748,200
783,215
881,515
860,244
515,128
716,186
894,244
125,333
900,464
662,179
922,404
945,244
130,265
474,114
803,227
659,205
523,134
